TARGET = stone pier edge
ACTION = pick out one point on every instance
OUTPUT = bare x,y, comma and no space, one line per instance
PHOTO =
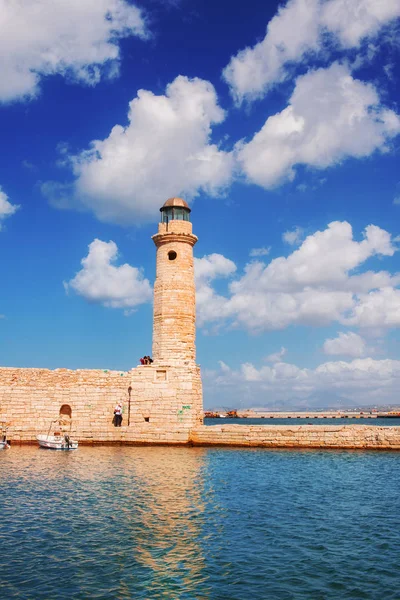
327,437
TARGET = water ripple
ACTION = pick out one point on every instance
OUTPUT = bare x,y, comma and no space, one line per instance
197,523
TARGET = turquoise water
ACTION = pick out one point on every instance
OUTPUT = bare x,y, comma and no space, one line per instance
199,523
305,421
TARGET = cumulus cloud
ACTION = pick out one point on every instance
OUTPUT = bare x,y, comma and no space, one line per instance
276,357
210,305
101,281
330,116
346,344
78,38
324,257
284,386
254,70
315,285
60,195
352,21
6,208
293,237
212,266
256,252
165,150
377,308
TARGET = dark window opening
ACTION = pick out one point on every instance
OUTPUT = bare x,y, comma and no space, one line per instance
172,255
147,419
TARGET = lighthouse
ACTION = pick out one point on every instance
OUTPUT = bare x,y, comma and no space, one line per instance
167,394
174,319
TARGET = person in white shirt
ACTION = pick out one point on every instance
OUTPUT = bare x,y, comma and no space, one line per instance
118,414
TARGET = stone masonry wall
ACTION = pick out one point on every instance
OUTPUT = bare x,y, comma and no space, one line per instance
160,404
167,396
300,436
31,398
174,321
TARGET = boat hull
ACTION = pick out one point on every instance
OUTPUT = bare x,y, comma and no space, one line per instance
56,442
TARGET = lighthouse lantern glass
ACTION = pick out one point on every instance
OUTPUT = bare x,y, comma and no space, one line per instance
174,213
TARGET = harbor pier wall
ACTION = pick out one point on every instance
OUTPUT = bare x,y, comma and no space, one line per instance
301,436
162,405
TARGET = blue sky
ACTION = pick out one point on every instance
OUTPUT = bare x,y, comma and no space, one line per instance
277,121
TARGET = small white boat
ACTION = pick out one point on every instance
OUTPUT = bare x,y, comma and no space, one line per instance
4,445
59,439
57,442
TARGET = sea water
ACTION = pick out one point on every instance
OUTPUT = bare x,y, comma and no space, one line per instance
199,523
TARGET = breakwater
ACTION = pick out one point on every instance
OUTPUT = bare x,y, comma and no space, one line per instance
252,436
161,406
301,436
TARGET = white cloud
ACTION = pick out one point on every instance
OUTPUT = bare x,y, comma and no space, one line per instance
212,266
101,281
165,150
346,344
211,306
78,38
397,200
28,165
330,116
284,386
224,367
293,237
254,70
276,357
352,21
324,258
255,252
377,308
6,208
315,285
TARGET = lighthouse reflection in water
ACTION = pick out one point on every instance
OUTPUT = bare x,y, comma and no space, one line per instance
189,523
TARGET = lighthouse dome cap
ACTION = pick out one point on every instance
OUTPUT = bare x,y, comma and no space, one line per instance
178,202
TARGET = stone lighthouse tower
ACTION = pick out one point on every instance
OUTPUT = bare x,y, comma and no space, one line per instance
168,393
174,324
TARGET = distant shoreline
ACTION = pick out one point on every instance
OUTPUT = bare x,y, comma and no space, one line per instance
311,414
